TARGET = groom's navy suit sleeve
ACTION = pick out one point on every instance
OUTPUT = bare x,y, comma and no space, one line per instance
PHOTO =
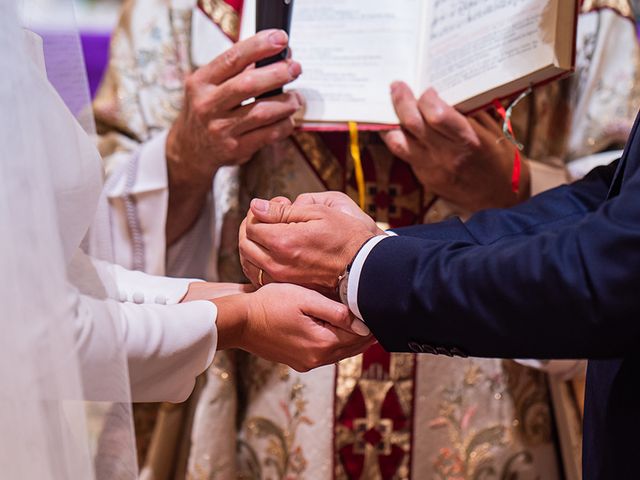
556,277
559,206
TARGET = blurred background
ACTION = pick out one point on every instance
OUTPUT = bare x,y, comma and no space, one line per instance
96,20
61,23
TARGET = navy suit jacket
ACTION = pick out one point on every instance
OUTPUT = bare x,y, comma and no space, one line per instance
555,277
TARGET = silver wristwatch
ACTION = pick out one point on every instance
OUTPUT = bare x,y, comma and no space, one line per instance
343,285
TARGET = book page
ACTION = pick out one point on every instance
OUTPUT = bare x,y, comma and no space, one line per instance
351,51
475,46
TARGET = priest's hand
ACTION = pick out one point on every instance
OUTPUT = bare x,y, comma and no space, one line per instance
292,325
465,160
308,244
213,129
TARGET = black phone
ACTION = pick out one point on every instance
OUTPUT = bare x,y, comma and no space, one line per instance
273,14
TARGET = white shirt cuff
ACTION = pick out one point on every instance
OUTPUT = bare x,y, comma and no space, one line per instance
356,270
141,288
168,347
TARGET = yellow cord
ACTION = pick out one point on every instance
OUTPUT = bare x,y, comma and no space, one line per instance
357,162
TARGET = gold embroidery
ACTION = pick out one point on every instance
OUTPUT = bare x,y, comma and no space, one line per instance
530,393
349,371
470,451
477,452
255,372
283,454
324,163
224,15
373,434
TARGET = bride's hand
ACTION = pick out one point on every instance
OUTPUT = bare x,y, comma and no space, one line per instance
211,291
292,325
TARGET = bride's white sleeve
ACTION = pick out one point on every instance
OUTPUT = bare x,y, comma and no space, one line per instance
167,344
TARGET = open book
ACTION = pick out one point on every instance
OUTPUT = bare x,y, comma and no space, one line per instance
470,51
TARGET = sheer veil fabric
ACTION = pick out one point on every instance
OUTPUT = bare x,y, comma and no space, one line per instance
62,415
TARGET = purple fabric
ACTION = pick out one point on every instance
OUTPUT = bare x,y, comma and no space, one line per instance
95,47
65,68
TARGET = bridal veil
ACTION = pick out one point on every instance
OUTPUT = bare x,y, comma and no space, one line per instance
53,426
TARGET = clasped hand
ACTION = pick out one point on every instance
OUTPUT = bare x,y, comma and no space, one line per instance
308,242
282,323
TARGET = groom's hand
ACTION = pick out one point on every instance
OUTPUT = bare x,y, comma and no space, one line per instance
308,242
337,200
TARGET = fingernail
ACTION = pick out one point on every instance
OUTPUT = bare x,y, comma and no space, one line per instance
434,97
394,87
260,205
359,328
279,38
295,69
433,102
429,95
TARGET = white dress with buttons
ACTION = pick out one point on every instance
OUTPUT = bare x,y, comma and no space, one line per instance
167,344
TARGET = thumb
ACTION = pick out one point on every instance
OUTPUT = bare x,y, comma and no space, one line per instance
270,212
278,212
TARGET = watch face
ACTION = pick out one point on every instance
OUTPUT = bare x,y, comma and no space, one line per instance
342,289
